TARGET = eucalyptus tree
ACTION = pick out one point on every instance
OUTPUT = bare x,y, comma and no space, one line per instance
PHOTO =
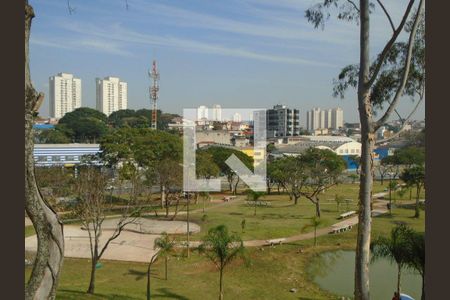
397,71
47,265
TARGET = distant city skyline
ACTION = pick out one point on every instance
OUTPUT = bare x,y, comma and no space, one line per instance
238,54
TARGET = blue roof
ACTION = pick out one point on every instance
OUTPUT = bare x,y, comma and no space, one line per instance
43,126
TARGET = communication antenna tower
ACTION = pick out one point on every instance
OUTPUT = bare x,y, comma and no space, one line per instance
154,92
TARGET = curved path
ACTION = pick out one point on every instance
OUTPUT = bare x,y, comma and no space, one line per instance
379,207
136,242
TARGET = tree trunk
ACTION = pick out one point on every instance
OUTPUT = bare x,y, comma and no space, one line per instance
382,179
165,267
235,186
255,208
49,230
221,284
317,203
423,287
315,235
417,210
91,288
148,280
163,195
399,279
366,177
296,200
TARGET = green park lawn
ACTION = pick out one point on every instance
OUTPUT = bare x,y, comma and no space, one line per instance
268,274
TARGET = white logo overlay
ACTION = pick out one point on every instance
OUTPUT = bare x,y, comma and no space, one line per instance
242,124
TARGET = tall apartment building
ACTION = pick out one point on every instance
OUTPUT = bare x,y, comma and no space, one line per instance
282,121
217,112
65,94
324,119
337,118
202,113
112,94
313,119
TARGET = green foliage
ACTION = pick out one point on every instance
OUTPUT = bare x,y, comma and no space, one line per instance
84,124
409,156
141,118
165,244
52,136
395,247
221,247
205,165
414,176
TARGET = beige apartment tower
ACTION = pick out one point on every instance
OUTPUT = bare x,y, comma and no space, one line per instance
65,94
112,94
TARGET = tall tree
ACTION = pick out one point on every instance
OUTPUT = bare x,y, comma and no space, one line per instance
221,248
44,277
383,81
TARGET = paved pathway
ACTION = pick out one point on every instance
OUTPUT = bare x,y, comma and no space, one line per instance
135,243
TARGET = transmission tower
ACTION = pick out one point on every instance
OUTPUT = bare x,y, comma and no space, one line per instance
154,92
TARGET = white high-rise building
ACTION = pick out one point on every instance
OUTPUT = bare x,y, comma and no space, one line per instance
237,117
202,113
313,119
320,119
217,112
337,118
65,94
328,118
112,94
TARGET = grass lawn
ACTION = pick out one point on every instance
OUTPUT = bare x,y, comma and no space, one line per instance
271,273
29,230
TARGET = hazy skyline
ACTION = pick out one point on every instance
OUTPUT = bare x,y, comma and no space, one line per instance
238,53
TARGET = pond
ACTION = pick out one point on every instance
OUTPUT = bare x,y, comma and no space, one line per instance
334,272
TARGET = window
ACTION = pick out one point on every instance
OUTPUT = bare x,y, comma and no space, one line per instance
341,151
352,151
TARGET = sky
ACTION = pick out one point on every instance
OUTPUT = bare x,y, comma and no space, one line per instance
236,53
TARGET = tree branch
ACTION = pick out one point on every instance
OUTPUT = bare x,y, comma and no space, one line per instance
387,15
390,43
403,126
354,5
399,92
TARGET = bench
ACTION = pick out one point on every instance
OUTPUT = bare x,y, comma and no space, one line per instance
275,242
347,214
228,198
339,229
259,203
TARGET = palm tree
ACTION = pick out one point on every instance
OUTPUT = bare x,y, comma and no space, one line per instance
221,248
165,246
254,196
417,256
314,223
396,248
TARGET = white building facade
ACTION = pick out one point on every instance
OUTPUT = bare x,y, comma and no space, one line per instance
324,119
65,94
217,113
112,94
202,113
